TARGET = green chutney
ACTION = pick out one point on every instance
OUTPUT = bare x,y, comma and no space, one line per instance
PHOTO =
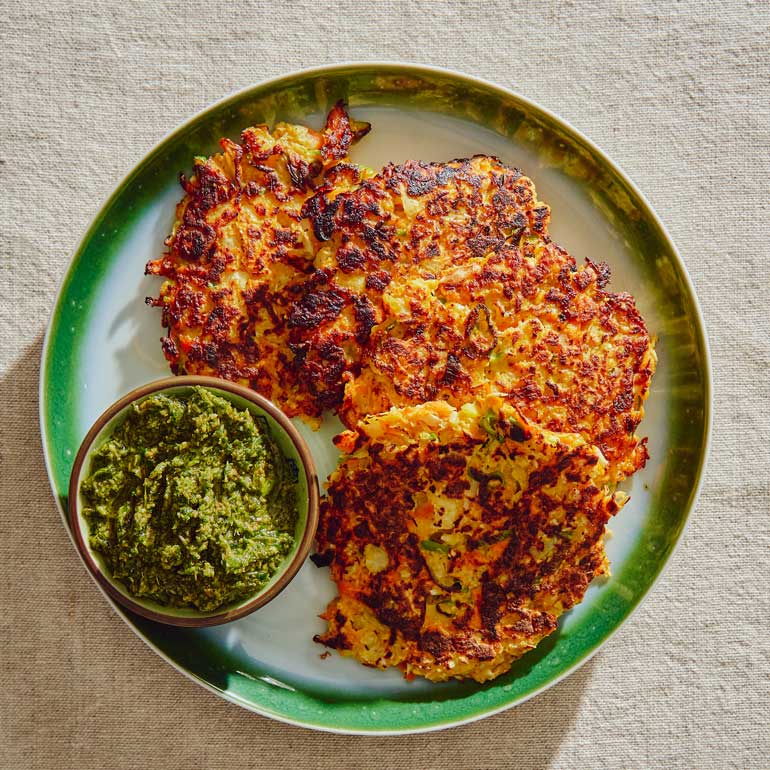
190,501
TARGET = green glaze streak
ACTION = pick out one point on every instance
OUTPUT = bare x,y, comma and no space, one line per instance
190,502
682,337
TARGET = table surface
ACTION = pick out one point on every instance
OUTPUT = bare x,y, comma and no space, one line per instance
677,94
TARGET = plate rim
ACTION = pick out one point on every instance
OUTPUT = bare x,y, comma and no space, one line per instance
463,77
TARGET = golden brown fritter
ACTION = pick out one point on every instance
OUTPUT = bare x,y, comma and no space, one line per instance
414,219
523,320
457,537
439,281
241,247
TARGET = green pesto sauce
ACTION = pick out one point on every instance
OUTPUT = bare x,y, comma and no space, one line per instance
190,501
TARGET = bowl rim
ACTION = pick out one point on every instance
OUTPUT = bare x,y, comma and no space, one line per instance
278,583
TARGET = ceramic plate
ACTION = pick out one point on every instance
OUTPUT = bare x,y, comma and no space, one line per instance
103,341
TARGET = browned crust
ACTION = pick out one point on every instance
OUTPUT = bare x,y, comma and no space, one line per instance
397,289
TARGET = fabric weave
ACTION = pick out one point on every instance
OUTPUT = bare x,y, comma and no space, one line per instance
677,93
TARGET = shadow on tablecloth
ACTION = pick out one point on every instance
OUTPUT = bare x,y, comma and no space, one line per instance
69,660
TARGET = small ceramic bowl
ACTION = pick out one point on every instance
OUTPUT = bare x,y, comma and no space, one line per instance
283,433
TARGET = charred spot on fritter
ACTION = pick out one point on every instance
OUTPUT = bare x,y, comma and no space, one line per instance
366,318
192,242
320,211
480,333
316,307
340,132
350,258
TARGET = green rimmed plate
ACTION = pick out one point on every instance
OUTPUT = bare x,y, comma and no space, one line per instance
103,341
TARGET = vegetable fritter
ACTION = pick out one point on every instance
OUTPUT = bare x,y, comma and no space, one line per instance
414,219
522,319
241,247
457,537
439,281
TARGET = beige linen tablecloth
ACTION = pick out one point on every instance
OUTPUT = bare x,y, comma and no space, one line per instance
677,93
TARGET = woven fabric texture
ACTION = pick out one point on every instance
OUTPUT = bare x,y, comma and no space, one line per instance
677,93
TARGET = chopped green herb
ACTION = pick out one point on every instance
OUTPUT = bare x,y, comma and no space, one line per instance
489,423
432,545
190,501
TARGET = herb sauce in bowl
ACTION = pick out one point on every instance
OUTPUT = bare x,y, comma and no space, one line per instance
190,502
